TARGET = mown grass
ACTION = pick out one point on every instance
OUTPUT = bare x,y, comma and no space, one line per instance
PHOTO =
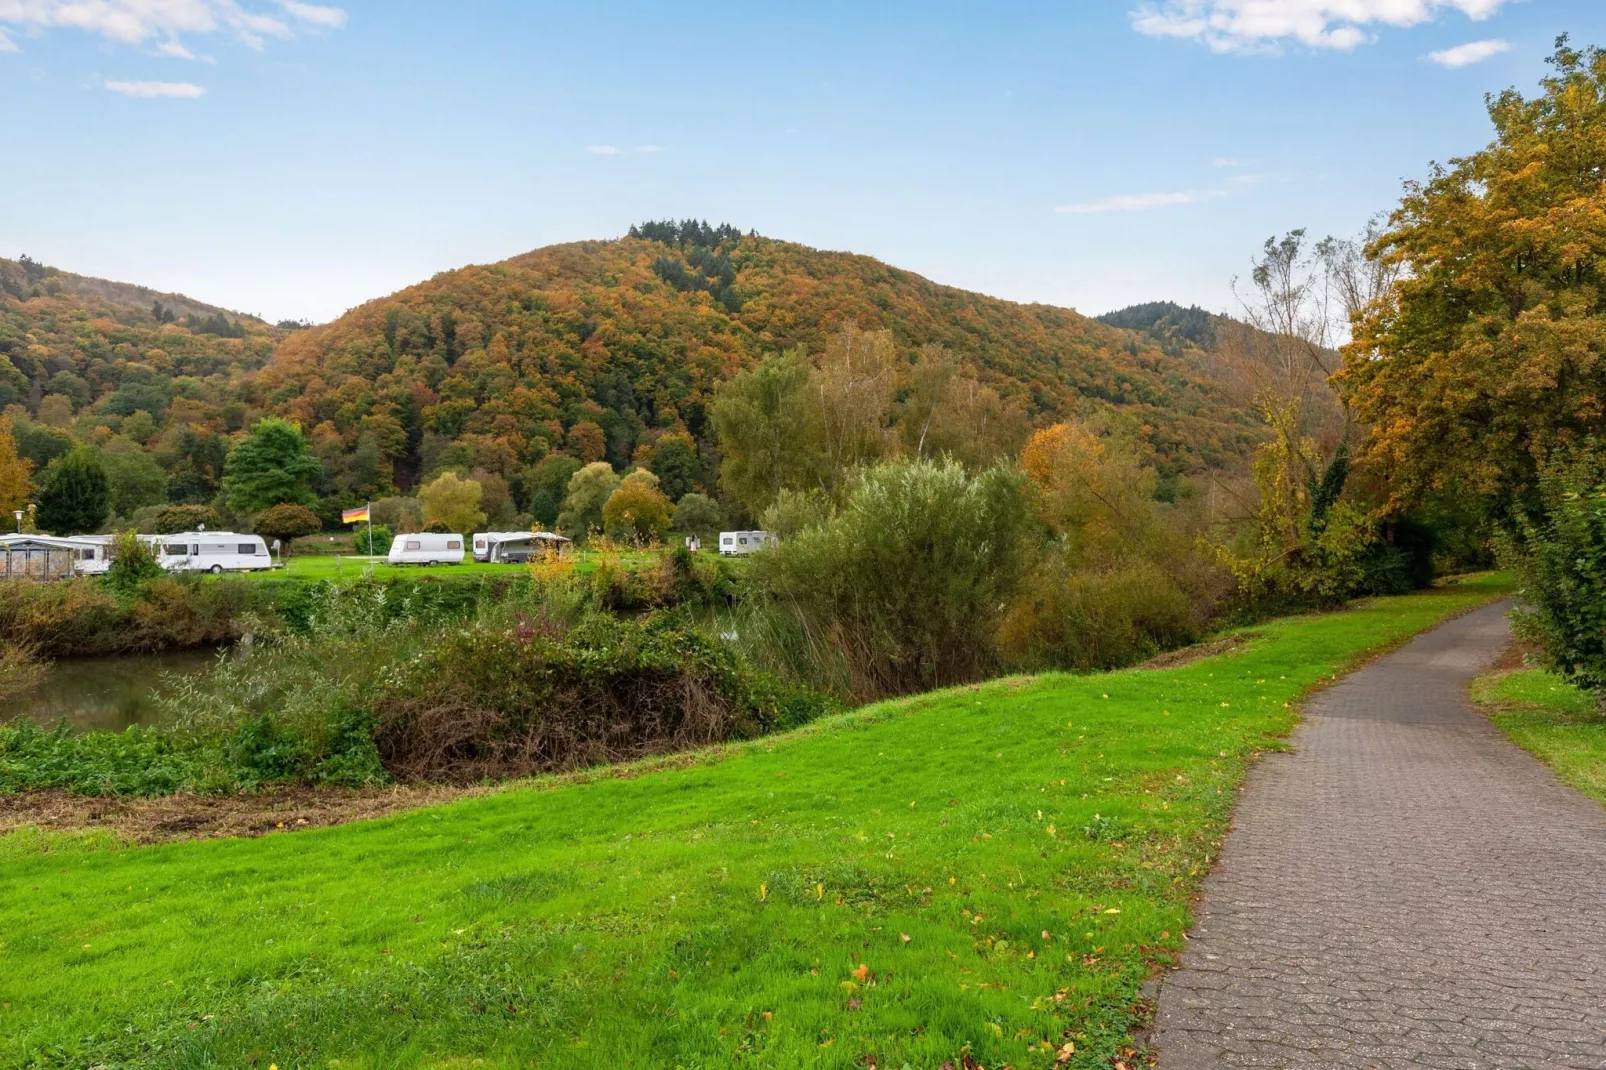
988,872
1551,719
350,567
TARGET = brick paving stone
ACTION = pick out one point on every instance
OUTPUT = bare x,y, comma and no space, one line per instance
1405,889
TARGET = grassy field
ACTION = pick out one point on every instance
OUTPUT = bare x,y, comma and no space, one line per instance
984,874
337,567
1551,719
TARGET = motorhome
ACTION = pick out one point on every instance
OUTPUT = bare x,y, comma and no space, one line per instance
515,547
743,542
426,548
213,551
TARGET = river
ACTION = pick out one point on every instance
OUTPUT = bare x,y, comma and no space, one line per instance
108,694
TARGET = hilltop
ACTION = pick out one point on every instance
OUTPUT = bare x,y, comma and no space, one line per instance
492,364
490,368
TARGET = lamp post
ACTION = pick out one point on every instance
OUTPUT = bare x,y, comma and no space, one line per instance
18,513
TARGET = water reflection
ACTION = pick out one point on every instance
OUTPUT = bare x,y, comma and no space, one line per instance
105,693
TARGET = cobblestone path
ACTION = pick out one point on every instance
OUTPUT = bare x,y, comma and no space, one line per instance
1406,889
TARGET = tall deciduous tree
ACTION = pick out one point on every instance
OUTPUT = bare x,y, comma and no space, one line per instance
1488,355
74,497
14,485
286,522
763,422
270,466
453,502
589,490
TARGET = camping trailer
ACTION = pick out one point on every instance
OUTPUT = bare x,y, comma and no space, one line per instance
738,543
213,551
515,547
426,548
94,555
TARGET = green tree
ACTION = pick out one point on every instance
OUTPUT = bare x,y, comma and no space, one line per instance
171,519
375,540
286,522
133,562
762,417
133,475
453,502
74,497
589,490
697,514
637,510
1488,353
675,463
270,466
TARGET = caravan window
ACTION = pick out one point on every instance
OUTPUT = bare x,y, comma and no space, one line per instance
176,549
413,544
248,548
86,555
454,544
744,540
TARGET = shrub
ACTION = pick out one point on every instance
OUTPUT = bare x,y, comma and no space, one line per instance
286,522
374,541
132,563
906,583
489,701
171,519
1558,550
1099,618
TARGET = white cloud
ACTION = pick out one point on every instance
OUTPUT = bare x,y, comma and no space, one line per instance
182,90
1468,54
7,44
133,22
1139,202
330,18
603,150
1265,25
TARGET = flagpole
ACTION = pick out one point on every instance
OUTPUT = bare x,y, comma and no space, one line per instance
370,508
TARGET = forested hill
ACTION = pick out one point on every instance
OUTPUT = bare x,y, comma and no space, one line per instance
491,366
74,349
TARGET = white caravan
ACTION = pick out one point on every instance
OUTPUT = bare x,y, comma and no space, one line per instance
743,542
426,548
94,554
515,547
213,551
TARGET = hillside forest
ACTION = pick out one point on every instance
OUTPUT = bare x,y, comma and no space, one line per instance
1078,491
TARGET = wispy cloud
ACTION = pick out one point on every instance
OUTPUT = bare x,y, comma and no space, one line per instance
1139,202
182,90
1266,25
604,150
7,44
1468,54
134,22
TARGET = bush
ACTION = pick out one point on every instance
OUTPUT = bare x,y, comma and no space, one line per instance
1100,619
905,585
1558,550
374,541
286,522
132,563
171,519
86,617
497,701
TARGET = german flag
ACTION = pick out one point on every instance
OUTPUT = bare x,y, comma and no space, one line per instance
354,516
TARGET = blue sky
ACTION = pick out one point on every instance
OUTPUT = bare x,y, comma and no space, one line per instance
295,159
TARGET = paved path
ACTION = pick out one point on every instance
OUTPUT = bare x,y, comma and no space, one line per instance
1406,889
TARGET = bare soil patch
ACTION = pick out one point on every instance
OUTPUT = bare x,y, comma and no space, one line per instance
184,817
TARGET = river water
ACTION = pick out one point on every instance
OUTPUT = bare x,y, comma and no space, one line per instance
104,693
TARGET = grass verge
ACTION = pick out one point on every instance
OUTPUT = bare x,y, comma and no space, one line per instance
1551,719
982,876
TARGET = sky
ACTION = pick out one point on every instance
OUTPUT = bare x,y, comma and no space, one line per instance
293,160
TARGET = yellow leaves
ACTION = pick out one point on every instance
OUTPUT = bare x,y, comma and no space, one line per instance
1065,1053
905,937
763,893
819,892
861,973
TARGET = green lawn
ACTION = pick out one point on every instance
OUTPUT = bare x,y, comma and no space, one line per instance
990,871
1553,720
333,567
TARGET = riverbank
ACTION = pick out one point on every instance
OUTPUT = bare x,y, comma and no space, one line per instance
988,873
